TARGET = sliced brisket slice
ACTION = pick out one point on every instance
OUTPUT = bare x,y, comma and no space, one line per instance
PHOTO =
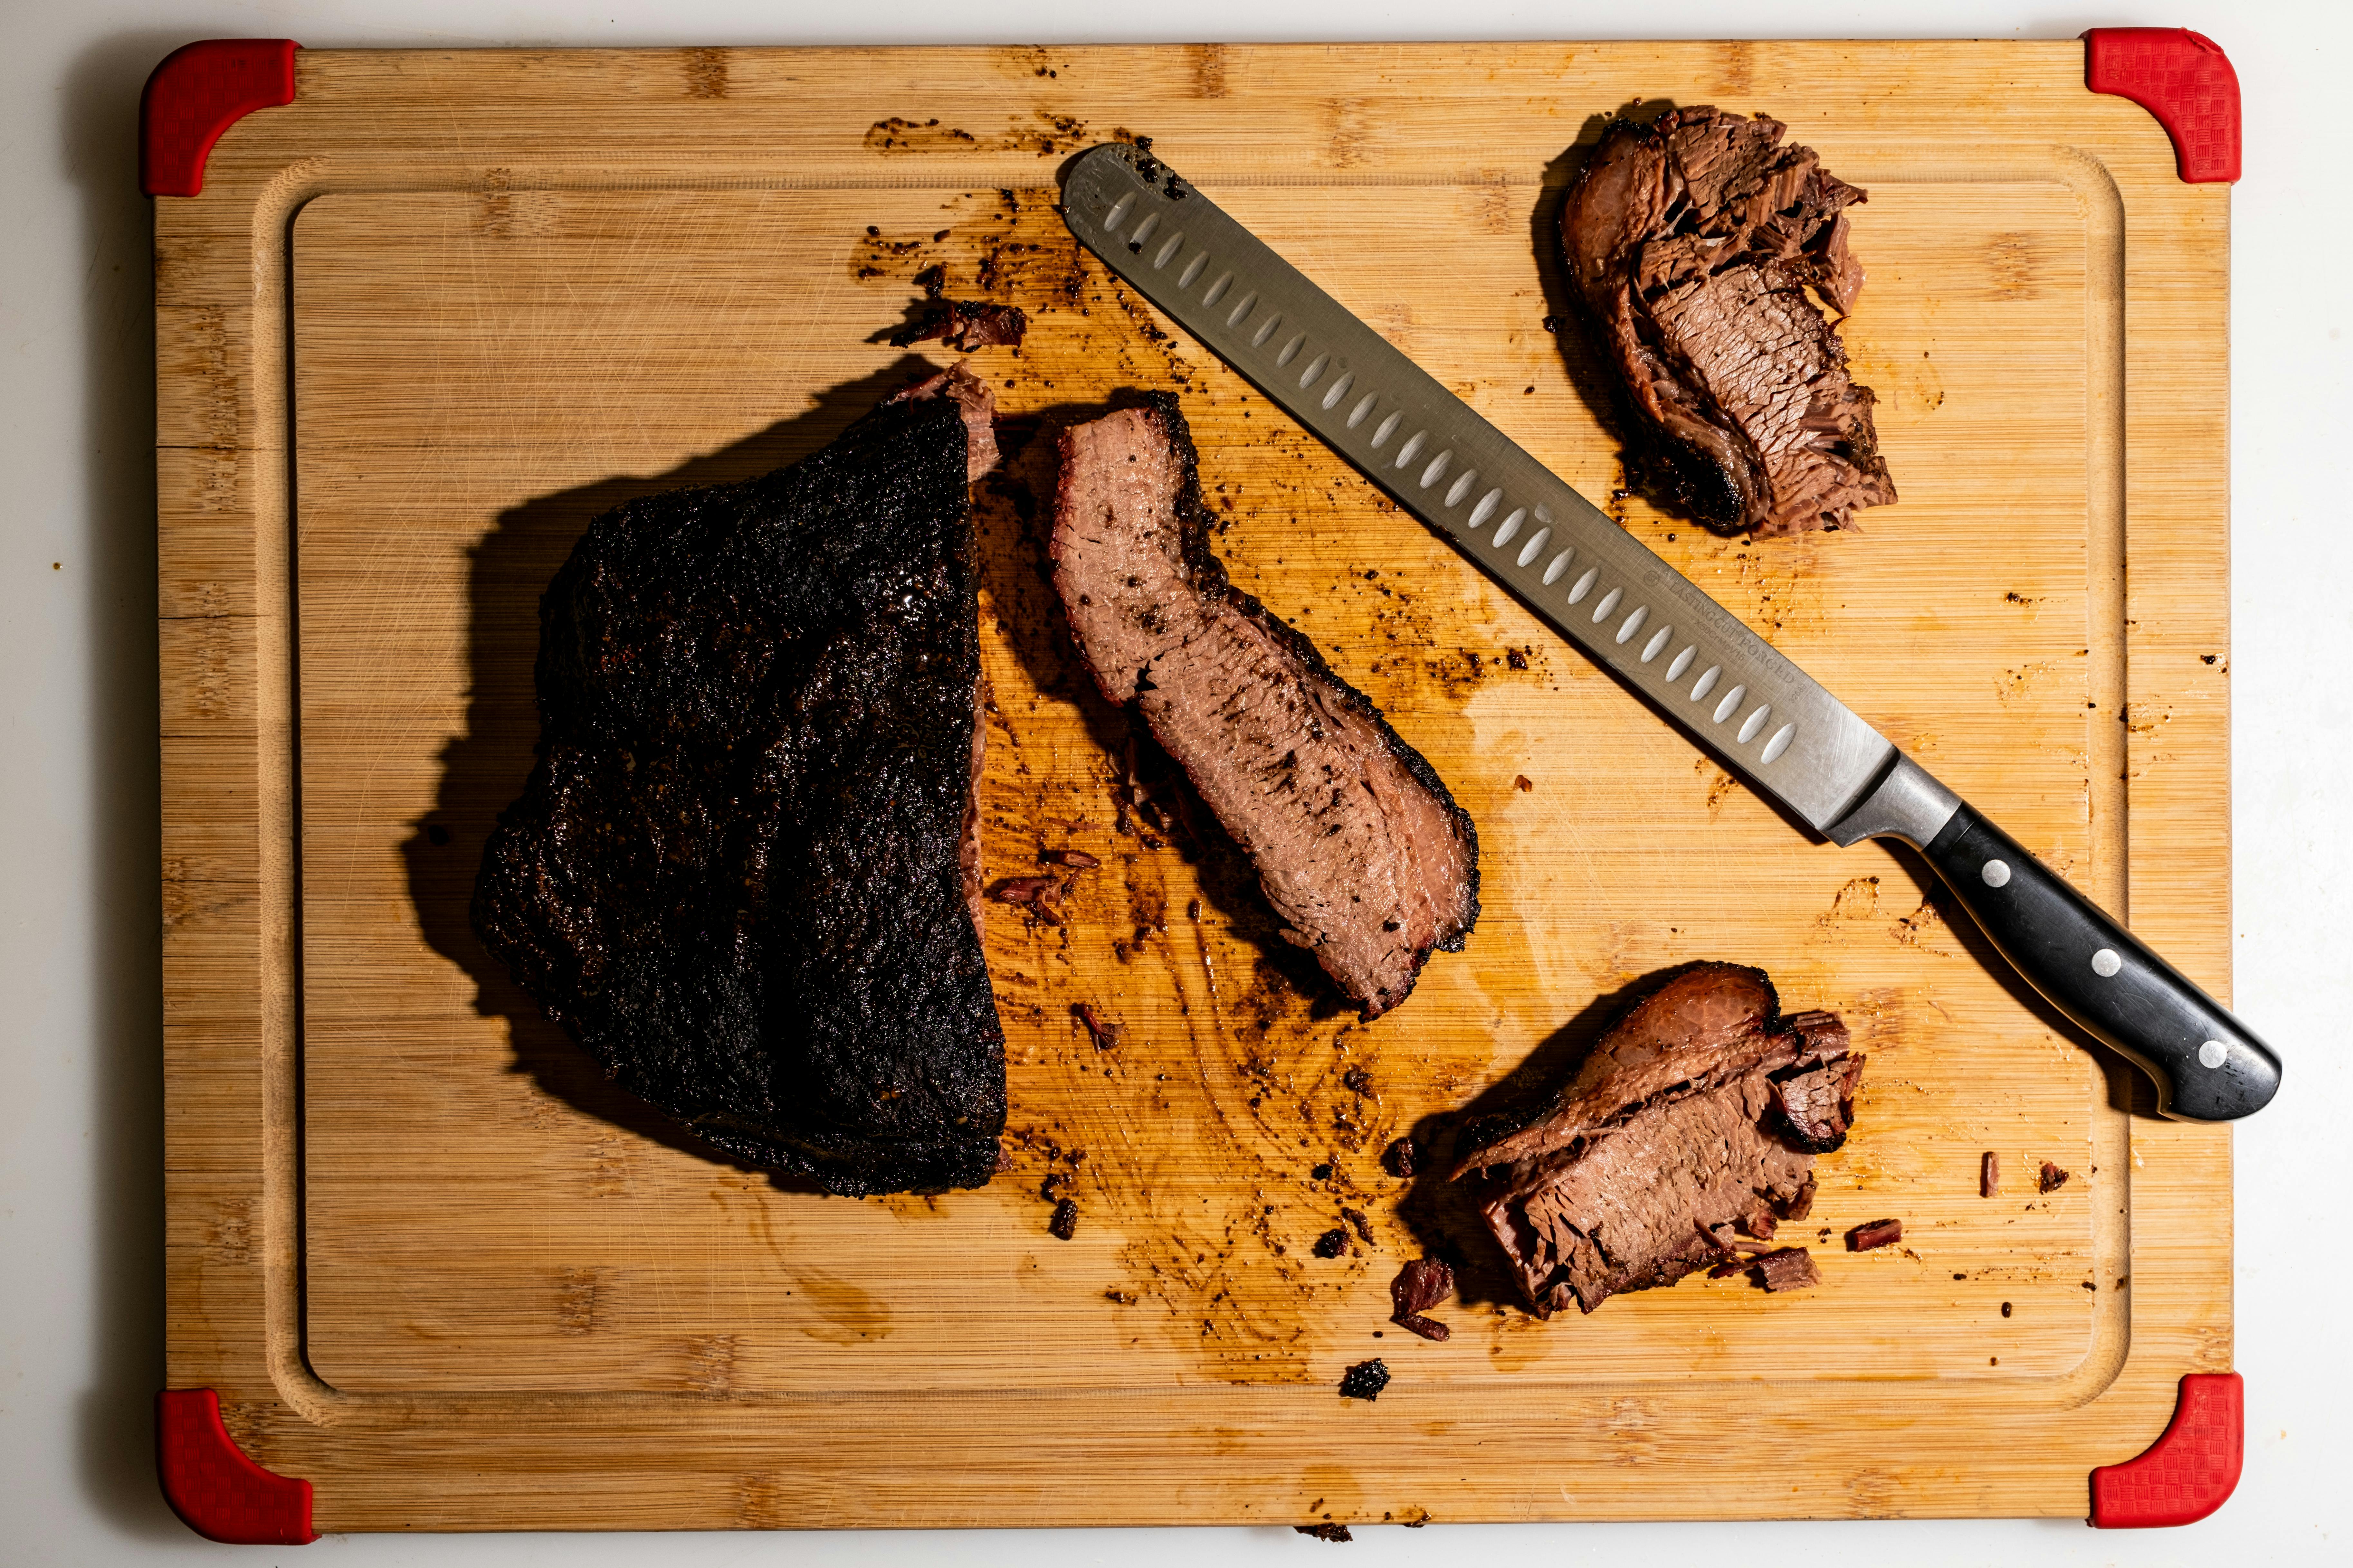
1358,844
1694,243
742,871
1675,1131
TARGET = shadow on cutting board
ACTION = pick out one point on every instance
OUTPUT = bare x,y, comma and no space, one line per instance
113,1433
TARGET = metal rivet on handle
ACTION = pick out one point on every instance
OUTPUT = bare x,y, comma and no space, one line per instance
1995,873
2105,963
2213,1054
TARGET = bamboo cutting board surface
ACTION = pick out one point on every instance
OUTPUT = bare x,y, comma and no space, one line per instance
432,318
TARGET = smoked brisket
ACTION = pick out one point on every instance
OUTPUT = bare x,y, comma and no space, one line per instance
1678,1129
743,872
1694,242
1358,844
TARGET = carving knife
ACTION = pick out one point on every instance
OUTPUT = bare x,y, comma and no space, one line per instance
1767,722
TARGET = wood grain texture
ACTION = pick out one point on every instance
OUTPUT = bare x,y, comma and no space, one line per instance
434,1265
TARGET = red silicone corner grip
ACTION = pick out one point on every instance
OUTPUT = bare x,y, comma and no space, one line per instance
2190,1472
217,1491
198,92
2182,78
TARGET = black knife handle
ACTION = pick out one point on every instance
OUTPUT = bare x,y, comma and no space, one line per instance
2208,1065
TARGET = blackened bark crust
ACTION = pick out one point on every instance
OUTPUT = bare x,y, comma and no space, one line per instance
736,874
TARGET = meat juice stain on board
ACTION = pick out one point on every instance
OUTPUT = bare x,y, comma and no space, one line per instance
1230,1080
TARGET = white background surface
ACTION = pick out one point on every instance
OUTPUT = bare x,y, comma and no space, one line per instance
80,1128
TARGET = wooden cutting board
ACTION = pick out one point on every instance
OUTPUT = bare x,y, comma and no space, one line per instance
429,318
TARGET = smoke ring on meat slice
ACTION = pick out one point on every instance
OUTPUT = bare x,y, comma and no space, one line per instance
1694,242
1676,1132
743,871
1358,844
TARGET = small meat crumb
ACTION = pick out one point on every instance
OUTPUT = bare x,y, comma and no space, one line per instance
1325,1531
1878,1233
1801,1206
1358,1223
965,324
1791,1268
1400,1159
1366,1380
1988,1175
1331,1243
1322,1173
2005,1308
1105,1035
1358,1080
1038,892
2054,1178
1077,858
1522,782
1065,1223
1516,659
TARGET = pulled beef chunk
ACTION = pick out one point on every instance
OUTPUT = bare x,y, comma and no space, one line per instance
1876,1233
965,324
2052,1179
1420,1286
1988,1175
1359,847
1790,1269
1817,1095
741,873
1676,1127
1693,242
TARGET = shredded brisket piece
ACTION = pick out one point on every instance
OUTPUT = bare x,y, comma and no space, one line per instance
966,324
1064,1225
1802,1205
1877,1233
1693,242
1420,1286
1988,1175
1400,1159
1364,1380
1791,1268
1358,1223
1359,847
1331,1243
742,873
1077,859
2054,1178
1675,1129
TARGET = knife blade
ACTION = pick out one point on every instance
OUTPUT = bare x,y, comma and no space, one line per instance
1769,723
